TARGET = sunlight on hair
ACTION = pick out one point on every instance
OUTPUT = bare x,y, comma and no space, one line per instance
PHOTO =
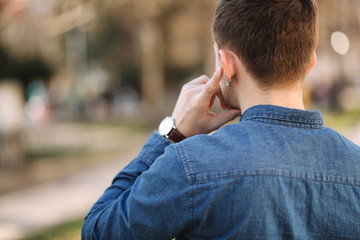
340,42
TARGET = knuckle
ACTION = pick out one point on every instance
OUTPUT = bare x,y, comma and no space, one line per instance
204,78
185,87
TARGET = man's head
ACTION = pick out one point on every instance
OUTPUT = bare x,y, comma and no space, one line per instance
274,39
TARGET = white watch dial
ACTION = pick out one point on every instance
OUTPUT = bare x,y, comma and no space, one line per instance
166,126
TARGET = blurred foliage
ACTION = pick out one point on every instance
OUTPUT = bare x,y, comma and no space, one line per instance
112,44
178,76
25,70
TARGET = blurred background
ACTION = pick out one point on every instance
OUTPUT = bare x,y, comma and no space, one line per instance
84,82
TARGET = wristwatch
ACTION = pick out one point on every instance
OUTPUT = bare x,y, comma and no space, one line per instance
168,129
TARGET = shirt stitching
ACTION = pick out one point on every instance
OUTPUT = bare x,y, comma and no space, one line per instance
185,163
290,117
287,124
282,174
186,167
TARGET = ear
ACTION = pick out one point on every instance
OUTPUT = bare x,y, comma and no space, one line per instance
313,62
228,62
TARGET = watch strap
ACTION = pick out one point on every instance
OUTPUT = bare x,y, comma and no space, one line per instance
176,136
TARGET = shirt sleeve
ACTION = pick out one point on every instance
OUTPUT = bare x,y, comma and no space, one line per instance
149,199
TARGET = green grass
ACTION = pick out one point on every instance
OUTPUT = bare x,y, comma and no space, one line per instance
342,121
67,231
55,152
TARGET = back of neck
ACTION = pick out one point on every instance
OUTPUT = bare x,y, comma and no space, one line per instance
286,97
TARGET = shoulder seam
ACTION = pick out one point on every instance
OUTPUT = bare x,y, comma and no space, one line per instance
184,162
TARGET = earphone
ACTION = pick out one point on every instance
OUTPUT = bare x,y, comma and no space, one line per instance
226,81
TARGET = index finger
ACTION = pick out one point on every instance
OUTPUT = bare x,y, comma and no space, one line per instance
211,87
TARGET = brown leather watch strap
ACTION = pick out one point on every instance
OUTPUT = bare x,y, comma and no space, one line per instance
176,136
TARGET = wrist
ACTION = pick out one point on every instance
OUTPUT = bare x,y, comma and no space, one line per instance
167,129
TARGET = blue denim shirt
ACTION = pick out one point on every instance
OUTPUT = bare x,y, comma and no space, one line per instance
277,174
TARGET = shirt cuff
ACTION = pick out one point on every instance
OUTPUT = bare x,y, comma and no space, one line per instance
153,148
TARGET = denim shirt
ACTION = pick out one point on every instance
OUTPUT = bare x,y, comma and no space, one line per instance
277,174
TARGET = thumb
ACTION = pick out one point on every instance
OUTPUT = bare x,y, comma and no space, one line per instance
225,117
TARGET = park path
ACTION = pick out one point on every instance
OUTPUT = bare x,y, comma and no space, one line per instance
30,210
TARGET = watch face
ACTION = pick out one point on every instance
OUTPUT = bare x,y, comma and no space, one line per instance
166,126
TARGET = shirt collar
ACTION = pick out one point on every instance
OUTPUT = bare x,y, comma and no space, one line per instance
284,116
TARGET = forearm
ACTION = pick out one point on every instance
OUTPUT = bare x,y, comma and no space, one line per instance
153,148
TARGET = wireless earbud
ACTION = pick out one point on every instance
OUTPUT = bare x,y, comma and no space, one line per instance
226,81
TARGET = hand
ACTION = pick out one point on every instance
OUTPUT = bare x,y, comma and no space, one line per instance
192,111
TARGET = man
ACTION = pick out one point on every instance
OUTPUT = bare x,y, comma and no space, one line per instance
277,174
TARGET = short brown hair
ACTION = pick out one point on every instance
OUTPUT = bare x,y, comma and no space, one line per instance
275,39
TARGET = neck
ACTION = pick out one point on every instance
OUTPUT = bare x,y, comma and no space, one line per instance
286,97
